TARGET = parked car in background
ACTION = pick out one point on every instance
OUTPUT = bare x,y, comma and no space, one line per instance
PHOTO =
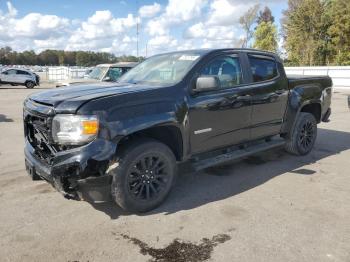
14,76
102,73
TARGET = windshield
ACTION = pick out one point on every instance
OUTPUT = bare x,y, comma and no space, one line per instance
164,69
98,72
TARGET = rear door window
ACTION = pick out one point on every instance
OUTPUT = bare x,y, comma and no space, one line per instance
262,68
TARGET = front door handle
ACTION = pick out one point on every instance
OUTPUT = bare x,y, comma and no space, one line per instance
279,92
244,97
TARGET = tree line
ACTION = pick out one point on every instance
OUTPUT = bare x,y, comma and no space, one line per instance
313,32
60,57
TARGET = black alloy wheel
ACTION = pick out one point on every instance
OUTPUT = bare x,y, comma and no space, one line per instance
143,176
148,177
303,135
306,136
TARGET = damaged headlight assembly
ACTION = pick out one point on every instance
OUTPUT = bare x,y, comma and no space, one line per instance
74,129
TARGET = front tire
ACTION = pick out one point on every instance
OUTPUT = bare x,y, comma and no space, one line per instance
29,84
303,135
144,176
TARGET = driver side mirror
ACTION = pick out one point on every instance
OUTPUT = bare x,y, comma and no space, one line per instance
107,78
206,83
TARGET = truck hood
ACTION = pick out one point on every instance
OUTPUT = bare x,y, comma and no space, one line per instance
69,99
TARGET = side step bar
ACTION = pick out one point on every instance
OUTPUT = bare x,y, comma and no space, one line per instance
238,153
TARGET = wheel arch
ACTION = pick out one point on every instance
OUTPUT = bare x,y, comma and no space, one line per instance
168,134
313,108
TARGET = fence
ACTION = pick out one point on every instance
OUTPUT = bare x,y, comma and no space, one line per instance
339,74
64,73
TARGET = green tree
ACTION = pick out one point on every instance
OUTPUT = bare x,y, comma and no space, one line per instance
61,57
48,57
70,57
28,58
266,37
339,31
265,16
82,58
130,58
305,27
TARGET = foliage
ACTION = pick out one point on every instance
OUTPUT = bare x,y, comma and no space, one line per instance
265,16
247,21
266,37
339,31
305,33
317,32
59,57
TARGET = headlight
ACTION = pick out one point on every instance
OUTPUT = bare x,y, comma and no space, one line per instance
74,129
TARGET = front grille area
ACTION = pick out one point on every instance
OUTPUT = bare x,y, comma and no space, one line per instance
38,133
37,120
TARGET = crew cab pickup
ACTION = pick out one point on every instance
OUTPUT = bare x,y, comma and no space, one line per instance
202,107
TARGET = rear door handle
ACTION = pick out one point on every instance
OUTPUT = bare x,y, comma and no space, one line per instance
279,92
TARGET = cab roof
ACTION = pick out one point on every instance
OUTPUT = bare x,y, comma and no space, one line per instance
203,52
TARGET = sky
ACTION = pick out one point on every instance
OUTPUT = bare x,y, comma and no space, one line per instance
111,25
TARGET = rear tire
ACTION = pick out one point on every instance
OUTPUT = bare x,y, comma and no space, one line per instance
30,84
303,135
144,176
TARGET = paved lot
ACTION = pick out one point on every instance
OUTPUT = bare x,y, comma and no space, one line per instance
273,207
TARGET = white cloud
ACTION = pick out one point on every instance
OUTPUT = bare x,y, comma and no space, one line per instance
178,25
176,12
100,17
38,25
11,10
30,30
184,10
225,12
163,40
50,43
161,44
186,44
201,30
218,27
100,30
149,10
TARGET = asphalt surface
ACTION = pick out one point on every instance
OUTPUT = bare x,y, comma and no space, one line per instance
271,207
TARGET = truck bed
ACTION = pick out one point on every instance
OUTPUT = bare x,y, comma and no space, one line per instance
297,80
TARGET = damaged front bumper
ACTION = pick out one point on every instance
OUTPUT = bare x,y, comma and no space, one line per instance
72,171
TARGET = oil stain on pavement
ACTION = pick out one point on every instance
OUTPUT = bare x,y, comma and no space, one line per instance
181,251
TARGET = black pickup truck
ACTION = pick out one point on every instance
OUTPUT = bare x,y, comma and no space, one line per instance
203,107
